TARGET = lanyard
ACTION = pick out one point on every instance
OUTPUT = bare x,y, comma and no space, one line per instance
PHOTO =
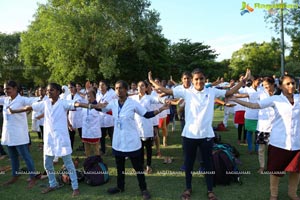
120,108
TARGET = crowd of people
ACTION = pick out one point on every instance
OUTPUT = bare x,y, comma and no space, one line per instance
132,116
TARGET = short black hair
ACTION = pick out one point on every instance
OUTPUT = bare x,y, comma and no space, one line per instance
124,84
56,86
197,71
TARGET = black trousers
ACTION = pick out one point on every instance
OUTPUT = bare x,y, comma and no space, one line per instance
42,132
137,166
105,131
148,145
72,135
190,149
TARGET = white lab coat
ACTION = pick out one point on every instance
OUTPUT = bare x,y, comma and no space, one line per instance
56,135
91,123
74,115
15,127
107,120
126,136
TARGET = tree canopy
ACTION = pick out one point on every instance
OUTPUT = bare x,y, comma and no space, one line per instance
86,39
11,67
261,58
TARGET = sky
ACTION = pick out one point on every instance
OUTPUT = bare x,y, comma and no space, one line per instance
216,23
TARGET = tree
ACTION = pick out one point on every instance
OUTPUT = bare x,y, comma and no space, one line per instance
187,56
85,39
262,59
11,68
291,20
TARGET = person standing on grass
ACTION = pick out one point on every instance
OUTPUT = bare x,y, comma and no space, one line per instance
126,141
265,118
74,115
144,125
91,132
3,154
40,116
105,95
56,136
15,132
198,132
163,124
239,118
284,142
251,115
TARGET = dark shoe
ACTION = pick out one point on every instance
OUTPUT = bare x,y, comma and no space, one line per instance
115,190
11,181
75,193
186,195
5,168
3,157
146,195
31,183
48,189
211,196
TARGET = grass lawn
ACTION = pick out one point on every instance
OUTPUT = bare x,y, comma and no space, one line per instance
166,181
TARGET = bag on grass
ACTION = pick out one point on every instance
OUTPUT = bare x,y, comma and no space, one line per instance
225,164
64,177
95,171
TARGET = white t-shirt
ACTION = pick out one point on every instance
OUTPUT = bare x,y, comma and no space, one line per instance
199,111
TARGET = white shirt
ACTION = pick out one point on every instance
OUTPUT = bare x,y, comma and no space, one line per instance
56,135
265,116
286,124
107,120
126,136
145,126
199,110
91,123
239,107
74,115
15,128
253,98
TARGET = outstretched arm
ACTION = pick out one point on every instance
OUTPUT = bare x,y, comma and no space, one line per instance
239,85
223,103
245,103
159,87
151,114
24,109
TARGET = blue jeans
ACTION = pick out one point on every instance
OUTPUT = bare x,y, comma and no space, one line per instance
23,151
48,165
249,141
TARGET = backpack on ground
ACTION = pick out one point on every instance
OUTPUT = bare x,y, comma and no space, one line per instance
64,177
225,159
95,171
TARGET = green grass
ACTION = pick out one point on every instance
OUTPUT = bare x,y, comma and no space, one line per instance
166,182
